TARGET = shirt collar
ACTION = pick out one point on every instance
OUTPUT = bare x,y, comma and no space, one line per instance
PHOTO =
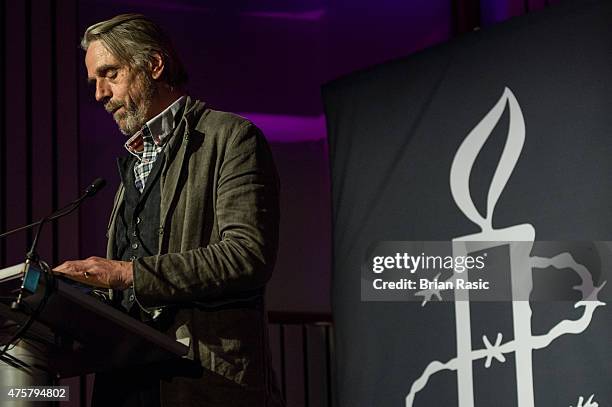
158,128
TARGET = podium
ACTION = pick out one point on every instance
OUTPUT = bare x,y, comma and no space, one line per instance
81,334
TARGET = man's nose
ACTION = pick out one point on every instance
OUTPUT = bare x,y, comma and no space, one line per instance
103,91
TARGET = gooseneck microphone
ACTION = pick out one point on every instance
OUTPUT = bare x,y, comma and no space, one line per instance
90,191
95,186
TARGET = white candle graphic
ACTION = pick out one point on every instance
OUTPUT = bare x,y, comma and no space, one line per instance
524,342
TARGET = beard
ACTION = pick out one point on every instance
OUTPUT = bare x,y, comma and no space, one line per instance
139,100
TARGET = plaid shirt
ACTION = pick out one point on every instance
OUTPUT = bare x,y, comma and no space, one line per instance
149,141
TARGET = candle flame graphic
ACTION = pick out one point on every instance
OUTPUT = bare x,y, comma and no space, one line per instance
471,146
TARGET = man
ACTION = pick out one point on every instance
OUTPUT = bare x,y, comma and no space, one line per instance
193,233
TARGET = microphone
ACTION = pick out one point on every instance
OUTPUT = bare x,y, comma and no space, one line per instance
93,188
96,185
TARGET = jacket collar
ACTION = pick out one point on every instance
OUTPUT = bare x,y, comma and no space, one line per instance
191,111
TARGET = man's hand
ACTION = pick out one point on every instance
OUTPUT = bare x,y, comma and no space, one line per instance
98,272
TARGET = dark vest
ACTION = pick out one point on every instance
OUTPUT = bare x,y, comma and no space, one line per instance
137,226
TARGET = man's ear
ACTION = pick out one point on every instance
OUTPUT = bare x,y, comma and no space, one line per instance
157,65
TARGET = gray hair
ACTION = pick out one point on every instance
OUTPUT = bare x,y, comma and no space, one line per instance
134,40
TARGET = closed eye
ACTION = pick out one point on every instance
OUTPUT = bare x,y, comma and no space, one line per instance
107,71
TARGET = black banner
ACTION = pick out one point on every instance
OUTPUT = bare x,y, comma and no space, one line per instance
503,135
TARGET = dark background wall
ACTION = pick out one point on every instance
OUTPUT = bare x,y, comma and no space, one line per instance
39,144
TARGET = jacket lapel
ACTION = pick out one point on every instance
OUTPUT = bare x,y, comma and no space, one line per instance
110,229
175,162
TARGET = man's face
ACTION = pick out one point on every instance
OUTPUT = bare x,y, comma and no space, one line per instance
126,93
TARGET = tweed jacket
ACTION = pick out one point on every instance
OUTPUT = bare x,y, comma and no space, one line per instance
218,237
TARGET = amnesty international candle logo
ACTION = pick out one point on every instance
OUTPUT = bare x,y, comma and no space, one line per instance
495,264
